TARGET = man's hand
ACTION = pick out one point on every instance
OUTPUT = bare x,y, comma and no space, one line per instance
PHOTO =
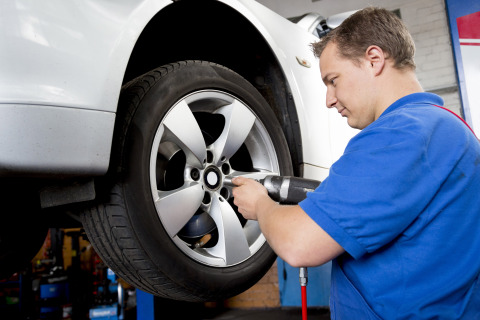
291,233
249,196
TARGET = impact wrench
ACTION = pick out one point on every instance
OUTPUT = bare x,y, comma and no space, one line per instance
290,190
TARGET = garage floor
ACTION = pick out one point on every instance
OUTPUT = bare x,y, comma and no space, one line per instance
165,309
247,314
271,314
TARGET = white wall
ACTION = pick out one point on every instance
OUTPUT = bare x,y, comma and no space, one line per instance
426,21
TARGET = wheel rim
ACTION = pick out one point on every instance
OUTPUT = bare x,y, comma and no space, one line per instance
205,137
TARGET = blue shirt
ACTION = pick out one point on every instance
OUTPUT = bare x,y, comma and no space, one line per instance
404,203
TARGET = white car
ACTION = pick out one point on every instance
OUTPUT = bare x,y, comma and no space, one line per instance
131,114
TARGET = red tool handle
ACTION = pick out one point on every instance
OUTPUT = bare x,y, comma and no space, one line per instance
304,302
303,277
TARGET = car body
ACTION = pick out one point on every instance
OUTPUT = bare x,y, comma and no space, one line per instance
65,70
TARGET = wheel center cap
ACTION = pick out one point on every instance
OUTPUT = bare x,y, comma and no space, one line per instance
212,177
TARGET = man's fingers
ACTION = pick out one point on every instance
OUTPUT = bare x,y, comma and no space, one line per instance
238,181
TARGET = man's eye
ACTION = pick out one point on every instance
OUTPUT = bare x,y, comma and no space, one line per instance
332,81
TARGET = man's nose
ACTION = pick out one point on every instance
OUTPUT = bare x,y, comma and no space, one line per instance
331,99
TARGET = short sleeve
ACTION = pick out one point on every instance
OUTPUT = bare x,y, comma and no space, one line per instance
377,188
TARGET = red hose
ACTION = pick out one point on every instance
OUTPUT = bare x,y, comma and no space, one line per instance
304,302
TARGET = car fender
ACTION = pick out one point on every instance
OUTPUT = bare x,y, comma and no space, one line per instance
62,66
53,58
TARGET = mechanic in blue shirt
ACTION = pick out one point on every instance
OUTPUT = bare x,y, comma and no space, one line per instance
399,213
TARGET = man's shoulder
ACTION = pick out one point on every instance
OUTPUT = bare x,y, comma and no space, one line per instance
420,119
416,108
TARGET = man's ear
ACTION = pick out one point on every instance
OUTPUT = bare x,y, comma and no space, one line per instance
376,59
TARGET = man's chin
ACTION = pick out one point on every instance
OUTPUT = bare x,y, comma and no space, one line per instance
355,124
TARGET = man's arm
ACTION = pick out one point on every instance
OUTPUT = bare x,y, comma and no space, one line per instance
291,233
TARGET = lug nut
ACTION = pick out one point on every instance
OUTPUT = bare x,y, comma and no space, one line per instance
195,174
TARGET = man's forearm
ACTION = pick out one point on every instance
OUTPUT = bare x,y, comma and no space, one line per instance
294,236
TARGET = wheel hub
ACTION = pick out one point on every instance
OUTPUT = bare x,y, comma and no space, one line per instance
212,178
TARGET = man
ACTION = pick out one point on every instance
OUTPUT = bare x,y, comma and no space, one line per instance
399,213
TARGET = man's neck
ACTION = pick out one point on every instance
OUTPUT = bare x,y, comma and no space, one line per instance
395,85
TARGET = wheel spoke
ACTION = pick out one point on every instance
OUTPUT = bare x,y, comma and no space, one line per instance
175,208
239,121
183,130
232,244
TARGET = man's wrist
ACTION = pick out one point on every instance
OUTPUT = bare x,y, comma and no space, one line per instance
265,206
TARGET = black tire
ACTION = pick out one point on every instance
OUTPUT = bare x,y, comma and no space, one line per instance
22,230
180,112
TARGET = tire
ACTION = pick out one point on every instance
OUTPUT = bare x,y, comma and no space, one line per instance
168,224
22,229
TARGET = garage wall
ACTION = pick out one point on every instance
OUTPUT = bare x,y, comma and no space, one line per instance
426,21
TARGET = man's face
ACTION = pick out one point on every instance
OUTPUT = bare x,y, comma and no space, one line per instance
350,87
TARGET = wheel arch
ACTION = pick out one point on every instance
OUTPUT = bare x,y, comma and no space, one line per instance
216,32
